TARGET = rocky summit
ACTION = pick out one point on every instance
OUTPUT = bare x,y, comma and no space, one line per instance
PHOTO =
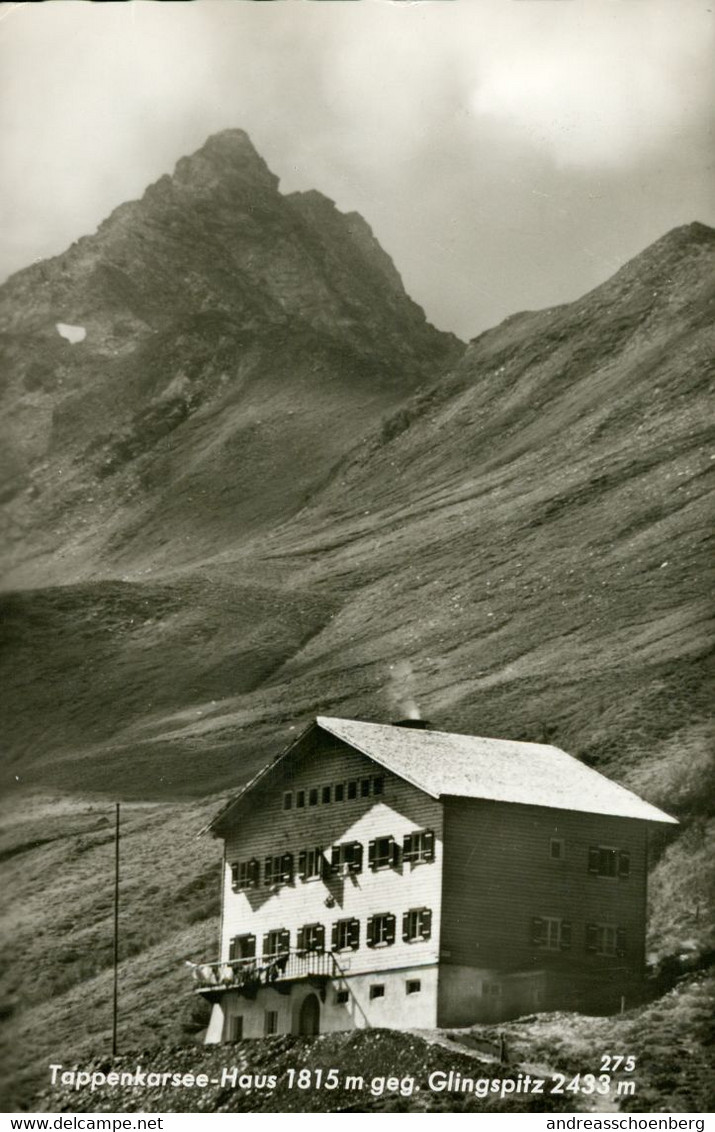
246,482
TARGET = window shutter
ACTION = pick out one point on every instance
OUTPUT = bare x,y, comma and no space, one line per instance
249,947
537,930
395,852
426,923
565,935
335,859
406,926
429,844
287,867
254,870
390,932
624,864
620,942
319,937
233,950
591,937
407,847
300,939
284,940
594,857
301,863
334,937
371,854
356,865
234,875
369,931
354,934
268,871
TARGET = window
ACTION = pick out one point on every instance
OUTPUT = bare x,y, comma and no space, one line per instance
491,990
276,942
313,796
346,858
235,1027
341,997
606,939
381,930
556,848
417,924
346,935
365,788
300,799
378,785
382,853
377,990
418,846
278,870
311,937
340,792
245,874
550,933
413,986
604,861
352,790
326,795
310,864
242,947
288,800
270,1022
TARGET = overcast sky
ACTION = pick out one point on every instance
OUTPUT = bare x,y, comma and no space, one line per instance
508,154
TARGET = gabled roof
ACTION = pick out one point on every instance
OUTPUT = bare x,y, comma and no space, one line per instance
501,770
467,766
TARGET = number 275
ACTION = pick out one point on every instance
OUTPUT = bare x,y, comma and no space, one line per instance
611,1063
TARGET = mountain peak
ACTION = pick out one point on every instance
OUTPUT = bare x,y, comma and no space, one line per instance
227,158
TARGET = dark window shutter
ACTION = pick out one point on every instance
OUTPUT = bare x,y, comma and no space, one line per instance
234,875
624,864
354,934
390,932
369,931
591,937
537,930
407,847
621,942
371,854
284,942
356,865
426,923
287,867
334,937
594,859
233,949
254,870
301,863
395,853
300,939
319,937
566,935
429,844
335,859
406,926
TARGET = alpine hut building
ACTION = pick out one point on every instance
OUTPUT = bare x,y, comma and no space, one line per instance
392,875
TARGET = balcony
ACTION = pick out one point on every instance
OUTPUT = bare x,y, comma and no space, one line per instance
247,976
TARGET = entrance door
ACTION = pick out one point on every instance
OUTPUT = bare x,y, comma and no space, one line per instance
309,1020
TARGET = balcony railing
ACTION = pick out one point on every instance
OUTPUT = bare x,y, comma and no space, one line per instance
249,974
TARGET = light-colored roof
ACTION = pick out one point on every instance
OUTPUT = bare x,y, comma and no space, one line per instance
500,770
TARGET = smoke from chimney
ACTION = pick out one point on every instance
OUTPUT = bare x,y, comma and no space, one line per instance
401,691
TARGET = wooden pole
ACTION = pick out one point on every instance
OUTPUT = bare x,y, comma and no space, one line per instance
116,935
